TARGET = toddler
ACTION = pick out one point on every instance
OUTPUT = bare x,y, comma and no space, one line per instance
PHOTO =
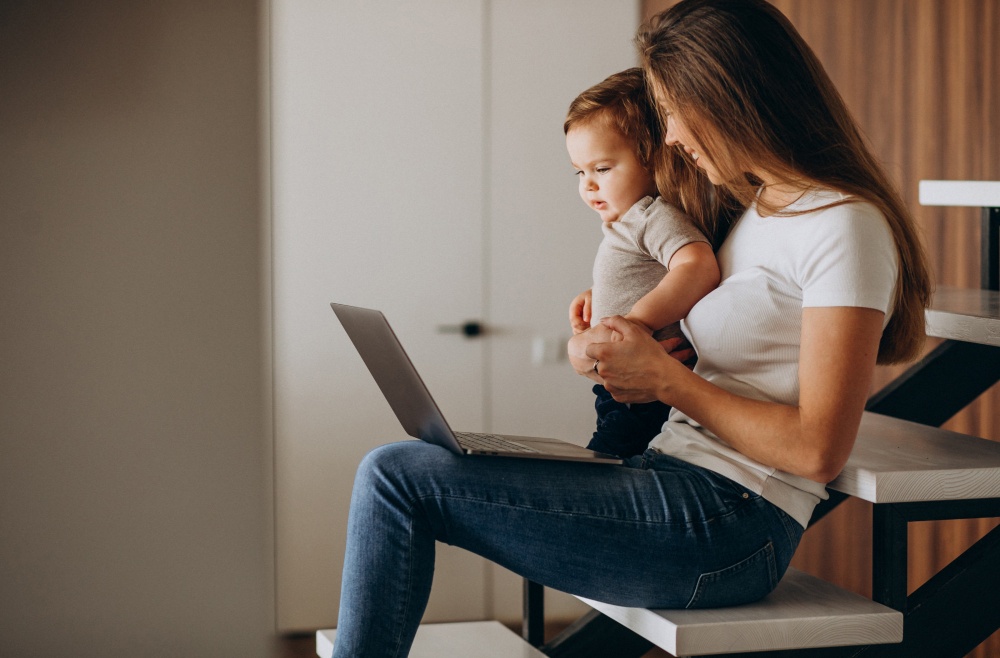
653,263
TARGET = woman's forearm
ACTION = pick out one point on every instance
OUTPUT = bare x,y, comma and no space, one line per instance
812,439
767,432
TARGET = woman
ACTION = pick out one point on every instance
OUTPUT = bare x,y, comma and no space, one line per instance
823,277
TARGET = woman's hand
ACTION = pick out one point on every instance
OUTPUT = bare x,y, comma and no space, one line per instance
580,343
580,313
677,348
634,368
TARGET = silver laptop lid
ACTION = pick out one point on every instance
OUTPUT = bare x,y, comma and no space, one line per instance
395,375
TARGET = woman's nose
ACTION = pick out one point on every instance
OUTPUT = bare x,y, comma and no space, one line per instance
670,138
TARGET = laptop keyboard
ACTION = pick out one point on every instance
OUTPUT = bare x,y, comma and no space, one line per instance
490,442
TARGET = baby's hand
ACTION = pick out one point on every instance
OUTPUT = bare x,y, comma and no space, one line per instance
579,312
680,349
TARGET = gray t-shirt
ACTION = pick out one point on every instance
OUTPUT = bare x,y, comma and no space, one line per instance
633,257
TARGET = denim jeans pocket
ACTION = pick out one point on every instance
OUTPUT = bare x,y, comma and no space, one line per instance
748,580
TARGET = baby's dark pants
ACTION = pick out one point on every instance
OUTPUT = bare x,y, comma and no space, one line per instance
625,429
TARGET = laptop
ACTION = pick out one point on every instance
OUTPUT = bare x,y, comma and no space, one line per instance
416,410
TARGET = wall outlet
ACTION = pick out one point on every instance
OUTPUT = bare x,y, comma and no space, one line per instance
548,350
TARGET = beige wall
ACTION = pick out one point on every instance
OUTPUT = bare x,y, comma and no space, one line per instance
134,443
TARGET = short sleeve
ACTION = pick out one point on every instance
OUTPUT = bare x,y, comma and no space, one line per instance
851,260
665,229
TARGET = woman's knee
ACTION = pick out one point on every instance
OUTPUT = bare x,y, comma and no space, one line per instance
384,456
394,457
381,463
396,466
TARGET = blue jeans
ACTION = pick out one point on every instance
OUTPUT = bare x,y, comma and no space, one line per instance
655,532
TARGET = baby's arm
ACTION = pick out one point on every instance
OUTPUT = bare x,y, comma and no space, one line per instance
692,273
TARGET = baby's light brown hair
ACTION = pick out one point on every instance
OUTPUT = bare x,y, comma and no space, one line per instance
621,103
624,102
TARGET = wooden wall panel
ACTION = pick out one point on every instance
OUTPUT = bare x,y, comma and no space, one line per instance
922,78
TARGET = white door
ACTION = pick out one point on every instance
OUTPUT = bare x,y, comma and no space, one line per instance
541,236
418,166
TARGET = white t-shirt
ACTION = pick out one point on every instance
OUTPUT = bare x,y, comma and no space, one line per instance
747,331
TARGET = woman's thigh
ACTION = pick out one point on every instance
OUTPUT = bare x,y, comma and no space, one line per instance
656,532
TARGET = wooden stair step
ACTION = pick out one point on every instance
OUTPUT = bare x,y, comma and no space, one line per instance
969,193
470,639
968,315
804,612
897,461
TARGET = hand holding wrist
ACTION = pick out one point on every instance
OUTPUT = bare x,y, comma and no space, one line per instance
635,368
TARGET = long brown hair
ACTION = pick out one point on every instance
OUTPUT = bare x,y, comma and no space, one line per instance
756,98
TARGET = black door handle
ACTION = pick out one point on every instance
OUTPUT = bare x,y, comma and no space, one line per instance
469,329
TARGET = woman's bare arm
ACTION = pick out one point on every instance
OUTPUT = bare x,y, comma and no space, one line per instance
812,440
